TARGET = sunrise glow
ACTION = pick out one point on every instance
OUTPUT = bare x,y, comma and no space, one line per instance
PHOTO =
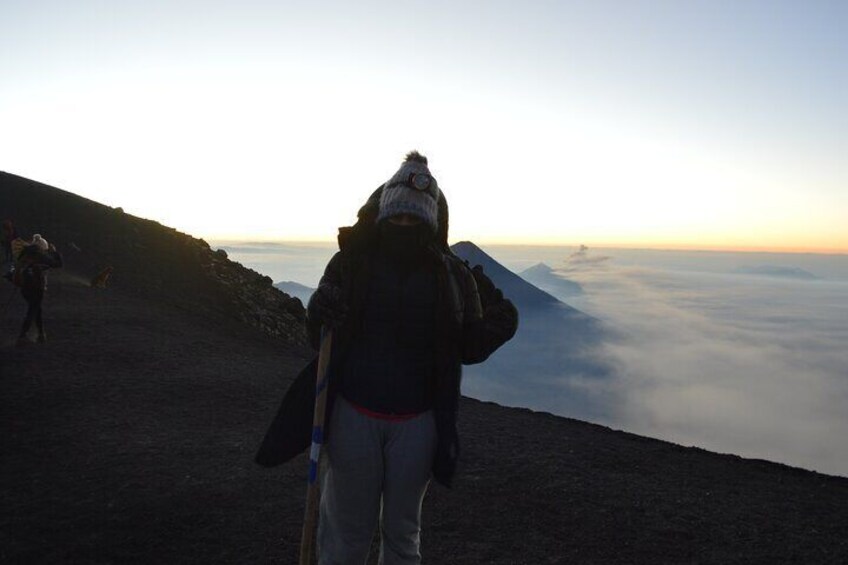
652,126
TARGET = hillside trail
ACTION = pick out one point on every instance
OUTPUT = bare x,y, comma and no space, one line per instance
129,437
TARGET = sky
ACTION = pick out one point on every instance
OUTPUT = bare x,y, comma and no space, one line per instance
669,124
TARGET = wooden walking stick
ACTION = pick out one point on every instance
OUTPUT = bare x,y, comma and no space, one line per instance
312,493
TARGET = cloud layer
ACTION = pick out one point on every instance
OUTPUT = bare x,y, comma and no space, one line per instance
748,365
694,352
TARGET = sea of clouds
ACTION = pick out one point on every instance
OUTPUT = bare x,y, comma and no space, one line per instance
703,355
701,351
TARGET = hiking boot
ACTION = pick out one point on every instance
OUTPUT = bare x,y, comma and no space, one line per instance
42,338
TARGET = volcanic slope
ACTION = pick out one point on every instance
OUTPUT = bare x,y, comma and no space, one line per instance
148,259
129,437
552,357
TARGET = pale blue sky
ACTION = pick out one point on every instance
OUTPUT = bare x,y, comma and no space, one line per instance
607,122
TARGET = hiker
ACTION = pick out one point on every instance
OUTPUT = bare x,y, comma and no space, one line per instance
31,275
405,314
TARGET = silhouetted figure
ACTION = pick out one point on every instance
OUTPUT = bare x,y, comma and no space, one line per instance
406,314
32,265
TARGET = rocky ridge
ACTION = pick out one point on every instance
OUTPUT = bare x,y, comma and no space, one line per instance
150,259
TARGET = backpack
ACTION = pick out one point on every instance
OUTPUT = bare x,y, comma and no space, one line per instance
17,246
24,272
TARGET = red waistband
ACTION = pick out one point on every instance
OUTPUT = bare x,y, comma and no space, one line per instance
381,415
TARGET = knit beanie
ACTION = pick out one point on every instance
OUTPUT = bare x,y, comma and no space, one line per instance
40,242
412,190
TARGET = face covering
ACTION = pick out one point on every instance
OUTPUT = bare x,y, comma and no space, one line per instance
404,244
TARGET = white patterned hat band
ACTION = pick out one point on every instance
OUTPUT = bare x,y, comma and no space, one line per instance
411,190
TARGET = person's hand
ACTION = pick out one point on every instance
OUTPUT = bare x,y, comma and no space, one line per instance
502,319
327,306
489,293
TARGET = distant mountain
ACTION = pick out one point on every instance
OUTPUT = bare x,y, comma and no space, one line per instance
544,277
552,357
777,271
299,291
521,292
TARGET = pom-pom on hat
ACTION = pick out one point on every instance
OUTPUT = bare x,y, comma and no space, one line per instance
412,190
40,242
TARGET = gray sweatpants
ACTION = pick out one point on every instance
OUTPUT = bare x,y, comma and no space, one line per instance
374,468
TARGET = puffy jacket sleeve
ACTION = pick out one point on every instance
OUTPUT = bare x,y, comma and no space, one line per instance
489,320
332,277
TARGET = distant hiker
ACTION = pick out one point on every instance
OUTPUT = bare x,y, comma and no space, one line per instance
31,275
406,314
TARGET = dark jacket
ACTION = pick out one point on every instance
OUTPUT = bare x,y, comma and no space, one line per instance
466,334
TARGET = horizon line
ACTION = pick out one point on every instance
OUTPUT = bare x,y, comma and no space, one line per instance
648,246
